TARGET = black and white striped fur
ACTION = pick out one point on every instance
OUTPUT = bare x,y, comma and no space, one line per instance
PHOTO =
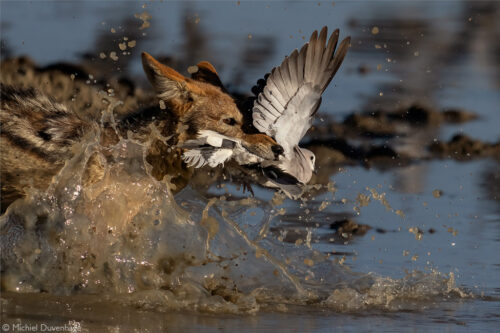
36,135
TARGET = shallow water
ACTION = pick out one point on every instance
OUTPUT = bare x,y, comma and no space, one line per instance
125,254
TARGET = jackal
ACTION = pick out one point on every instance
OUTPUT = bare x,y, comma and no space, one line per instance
37,133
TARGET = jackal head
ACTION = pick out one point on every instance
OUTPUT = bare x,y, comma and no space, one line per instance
204,105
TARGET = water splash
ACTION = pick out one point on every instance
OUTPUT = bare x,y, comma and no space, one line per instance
127,236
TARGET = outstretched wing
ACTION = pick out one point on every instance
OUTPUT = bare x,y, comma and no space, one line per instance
292,95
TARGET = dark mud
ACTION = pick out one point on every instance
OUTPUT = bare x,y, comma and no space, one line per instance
461,147
406,189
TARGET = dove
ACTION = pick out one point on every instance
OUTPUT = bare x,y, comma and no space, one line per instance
284,110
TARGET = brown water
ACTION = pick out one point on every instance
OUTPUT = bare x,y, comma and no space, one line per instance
126,255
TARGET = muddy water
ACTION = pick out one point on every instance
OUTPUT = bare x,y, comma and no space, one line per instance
386,247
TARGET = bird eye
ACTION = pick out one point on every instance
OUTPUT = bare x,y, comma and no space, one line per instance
312,158
230,121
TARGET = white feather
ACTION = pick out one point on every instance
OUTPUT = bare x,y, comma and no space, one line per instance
219,156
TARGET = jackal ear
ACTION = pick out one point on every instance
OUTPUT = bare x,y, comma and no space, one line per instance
205,72
167,82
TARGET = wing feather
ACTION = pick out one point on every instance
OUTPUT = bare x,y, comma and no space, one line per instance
210,156
292,93
194,158
319,49
275,92
300,63
337,60
278,81
308,69
327,57
292,68
275,99
285,75
272,107
294,124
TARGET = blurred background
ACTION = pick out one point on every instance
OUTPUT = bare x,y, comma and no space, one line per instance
441,54
444,53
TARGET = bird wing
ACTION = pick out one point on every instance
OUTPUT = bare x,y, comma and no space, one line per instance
206,156
211,138
210,148
292,94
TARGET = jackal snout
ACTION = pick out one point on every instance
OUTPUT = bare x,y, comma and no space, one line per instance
277,150
201,103
263,146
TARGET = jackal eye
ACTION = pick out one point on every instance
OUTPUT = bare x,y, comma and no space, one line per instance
230,121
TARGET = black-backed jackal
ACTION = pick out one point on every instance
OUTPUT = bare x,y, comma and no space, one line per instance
37,134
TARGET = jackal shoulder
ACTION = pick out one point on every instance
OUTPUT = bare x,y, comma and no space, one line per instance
36,135
36,125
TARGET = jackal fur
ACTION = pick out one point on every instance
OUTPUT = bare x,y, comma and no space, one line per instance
38,134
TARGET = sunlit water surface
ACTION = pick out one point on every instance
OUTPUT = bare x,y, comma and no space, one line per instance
126,254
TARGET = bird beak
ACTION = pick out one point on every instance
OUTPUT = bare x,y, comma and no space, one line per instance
315,171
